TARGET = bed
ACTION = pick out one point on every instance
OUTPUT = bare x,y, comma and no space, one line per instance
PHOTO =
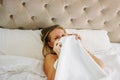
21,21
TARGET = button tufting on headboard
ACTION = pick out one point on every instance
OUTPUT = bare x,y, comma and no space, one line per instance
1,2
24,4
80,14
11,16
46,5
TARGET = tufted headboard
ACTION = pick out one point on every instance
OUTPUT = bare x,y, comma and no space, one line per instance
78,14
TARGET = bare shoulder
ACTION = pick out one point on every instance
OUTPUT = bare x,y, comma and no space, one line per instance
51,57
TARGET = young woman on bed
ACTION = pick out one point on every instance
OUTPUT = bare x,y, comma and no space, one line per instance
51,49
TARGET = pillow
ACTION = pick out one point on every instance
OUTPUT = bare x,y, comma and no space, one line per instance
21,42
93,40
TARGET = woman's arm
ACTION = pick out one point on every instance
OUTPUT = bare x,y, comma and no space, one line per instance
97,60
49,66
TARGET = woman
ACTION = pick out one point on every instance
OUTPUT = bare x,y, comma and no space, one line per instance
51,49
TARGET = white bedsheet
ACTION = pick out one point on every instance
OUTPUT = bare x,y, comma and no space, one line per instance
111,59
20,68
75,63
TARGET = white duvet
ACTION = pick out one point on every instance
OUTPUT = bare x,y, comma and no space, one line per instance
74,63
20,68
76,66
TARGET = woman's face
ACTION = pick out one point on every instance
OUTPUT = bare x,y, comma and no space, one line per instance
54,35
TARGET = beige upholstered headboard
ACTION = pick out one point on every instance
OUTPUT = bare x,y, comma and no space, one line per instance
80,14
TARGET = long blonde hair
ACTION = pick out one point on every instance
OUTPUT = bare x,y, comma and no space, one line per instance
46,38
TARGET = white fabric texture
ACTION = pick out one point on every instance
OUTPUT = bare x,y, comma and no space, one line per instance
20,68
75,63
21,43
111,58
93,40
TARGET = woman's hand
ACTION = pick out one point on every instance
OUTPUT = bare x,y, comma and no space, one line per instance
76,36
57,47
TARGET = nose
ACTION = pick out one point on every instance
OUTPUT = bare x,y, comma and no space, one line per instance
59,36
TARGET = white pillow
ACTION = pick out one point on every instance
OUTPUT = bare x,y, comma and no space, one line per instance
93,40
21,42
28,42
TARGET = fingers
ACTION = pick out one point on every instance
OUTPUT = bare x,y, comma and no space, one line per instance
57,43
57,47
76,36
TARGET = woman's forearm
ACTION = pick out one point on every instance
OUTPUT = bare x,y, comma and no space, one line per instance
97,60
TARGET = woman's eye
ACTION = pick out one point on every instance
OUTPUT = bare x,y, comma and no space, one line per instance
63,35
56,38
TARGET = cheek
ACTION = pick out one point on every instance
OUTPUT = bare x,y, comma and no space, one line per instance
51,44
